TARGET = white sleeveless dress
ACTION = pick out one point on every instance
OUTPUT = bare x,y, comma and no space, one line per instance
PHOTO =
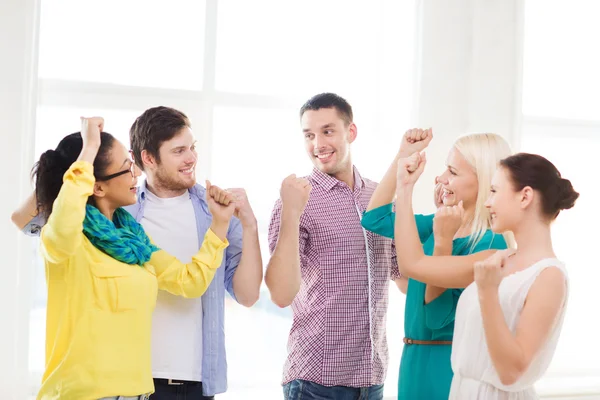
474,374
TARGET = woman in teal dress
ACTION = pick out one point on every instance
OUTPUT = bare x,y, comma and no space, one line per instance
454,230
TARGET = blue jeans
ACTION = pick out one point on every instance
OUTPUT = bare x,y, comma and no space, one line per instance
305,390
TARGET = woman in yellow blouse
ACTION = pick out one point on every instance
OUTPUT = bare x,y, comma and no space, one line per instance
102,270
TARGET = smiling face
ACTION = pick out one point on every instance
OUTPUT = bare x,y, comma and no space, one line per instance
327,140
176,168
505,204
459,181
117,187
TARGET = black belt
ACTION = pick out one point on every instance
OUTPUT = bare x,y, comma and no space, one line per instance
176,382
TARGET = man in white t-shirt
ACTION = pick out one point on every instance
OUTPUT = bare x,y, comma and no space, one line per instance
188,344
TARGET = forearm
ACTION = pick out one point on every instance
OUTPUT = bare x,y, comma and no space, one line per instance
385,190
249,273
406,236
219,228
26,211
88,153
505,352
190,279
283,271
442,248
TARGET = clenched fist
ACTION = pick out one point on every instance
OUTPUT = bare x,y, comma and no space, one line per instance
294,194
243,211
410,169
90,131
415,140
490,272
447,221
220,203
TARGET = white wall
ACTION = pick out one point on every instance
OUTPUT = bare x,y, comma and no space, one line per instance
18,28
468,74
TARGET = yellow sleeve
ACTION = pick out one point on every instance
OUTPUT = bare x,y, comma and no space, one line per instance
63,233
192,279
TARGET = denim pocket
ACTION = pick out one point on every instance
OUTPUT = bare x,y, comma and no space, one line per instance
292,390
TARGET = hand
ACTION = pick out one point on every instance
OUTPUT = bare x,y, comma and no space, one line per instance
490,272
243,211
410,169
447,222
415,140
294,194
438,200
90,131
220,203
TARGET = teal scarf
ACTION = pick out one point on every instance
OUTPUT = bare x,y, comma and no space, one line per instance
123,238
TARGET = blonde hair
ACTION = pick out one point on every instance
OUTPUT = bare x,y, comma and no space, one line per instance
483,151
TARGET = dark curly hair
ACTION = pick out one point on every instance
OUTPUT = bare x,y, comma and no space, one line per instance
48,172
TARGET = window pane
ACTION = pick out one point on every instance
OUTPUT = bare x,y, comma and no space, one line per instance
310,46
133,42
255,149
560,77
54,123
256,340
37,319
574,240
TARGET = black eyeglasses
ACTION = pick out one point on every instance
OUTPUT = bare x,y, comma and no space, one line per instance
131,170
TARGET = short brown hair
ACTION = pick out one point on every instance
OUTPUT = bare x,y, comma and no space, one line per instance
329,100
155,126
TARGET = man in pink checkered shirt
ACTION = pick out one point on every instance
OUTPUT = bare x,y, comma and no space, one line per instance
334,274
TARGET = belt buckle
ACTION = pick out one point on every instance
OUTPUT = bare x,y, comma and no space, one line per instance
170,382
145,397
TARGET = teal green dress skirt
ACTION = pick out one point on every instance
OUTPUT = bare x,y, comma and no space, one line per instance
425,371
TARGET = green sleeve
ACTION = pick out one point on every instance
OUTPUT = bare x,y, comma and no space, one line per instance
381,220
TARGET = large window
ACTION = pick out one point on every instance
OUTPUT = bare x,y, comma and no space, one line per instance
240,70
561,120
134,42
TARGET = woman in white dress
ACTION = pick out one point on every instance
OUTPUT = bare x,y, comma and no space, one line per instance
509,320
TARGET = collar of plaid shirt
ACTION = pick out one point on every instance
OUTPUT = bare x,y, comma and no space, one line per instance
328,182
